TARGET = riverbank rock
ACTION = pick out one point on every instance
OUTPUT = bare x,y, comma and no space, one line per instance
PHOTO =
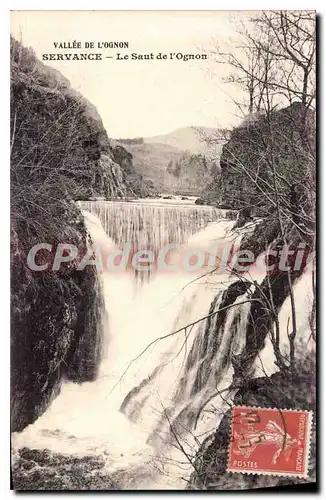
43,470
60,152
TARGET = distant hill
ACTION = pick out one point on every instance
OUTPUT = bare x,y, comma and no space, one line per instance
192,139
182,161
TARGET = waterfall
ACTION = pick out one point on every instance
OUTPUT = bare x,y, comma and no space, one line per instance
153,381
205,367
151,225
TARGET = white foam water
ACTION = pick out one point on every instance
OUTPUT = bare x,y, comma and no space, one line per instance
142,353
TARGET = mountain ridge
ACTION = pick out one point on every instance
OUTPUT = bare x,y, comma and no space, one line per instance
180,162
190,138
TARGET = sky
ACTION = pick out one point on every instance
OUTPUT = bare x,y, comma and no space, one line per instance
139,98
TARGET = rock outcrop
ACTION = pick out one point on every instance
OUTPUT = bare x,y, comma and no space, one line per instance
60,153
285,140
55,128
267,170
44,470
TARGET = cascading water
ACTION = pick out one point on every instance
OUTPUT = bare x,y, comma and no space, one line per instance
149,226
153,386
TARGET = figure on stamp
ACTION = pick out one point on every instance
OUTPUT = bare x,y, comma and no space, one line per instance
248,440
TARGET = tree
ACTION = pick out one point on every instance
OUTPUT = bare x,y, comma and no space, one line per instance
289,39
272,58
269,162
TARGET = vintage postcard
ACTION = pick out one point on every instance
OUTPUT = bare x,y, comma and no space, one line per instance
163,234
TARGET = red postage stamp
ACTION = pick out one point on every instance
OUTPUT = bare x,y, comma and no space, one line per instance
269,441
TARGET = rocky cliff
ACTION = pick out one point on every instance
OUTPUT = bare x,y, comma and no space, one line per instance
60,152
55,128
282,140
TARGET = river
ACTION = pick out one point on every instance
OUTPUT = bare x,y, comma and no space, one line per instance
156,397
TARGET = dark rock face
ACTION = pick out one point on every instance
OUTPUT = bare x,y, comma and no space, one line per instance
132,179
60,152
260,320
56,332
246,170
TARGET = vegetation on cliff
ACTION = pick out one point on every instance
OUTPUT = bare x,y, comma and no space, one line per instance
58,132
60,153
268,174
